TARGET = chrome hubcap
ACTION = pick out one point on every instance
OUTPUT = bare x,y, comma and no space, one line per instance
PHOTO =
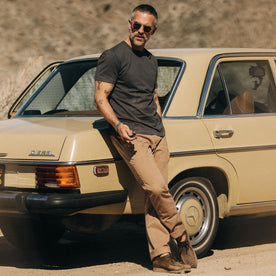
194,209
191,213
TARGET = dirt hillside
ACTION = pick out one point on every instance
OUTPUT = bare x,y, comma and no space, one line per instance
63,29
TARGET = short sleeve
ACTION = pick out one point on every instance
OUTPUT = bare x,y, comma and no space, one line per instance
107,67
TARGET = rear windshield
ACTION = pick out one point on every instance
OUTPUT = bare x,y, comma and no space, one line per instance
70,89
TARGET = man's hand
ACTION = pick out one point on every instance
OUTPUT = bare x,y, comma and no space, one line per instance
126,133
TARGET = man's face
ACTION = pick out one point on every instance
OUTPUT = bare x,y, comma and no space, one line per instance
141,27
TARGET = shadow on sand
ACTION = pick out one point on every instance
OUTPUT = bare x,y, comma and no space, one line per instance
126,242
238,232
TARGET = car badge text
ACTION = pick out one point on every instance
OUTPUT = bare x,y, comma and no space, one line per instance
42,153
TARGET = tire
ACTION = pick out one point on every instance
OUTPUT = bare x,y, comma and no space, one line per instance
196,203
31,234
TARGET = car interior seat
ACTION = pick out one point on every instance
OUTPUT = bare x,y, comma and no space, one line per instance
242,104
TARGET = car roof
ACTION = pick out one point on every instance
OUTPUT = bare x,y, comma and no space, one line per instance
184,52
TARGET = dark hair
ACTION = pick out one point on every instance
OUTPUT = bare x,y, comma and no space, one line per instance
146,8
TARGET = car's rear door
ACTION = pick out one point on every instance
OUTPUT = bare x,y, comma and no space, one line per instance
240,115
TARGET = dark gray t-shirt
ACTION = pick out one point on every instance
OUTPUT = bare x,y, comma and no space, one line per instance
134,75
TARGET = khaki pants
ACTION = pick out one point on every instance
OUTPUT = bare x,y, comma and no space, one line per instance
147,157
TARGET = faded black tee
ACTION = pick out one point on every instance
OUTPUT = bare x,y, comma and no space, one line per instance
134,75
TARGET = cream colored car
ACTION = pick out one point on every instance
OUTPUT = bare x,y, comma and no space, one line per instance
59,170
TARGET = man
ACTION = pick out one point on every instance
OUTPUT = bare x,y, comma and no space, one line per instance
126,95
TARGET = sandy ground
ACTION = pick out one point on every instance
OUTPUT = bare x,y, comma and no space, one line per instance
243,247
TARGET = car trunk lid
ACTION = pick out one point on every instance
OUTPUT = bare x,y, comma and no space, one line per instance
26,140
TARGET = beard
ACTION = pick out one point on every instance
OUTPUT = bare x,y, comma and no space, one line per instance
137,41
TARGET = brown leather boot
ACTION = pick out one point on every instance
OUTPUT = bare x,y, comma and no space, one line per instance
167,263
186,252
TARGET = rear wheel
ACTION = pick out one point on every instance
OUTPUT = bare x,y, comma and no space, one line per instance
29,233
196,202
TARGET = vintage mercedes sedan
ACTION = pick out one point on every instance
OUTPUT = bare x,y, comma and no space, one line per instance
59,170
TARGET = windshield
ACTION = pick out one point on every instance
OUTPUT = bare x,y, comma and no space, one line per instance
70,88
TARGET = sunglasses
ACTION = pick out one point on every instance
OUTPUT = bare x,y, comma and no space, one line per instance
136,27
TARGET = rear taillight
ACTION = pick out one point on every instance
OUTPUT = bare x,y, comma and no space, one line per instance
57,176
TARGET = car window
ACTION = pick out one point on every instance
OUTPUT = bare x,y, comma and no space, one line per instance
31,88
168,71
217,99
70,89
242,87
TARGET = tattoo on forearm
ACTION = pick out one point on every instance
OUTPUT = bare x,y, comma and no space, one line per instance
106,92
99,85
100,101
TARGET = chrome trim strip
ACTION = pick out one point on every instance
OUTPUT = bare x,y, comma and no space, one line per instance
238,115
72,163
252,208
56,116
101,161
226,92
182,117
37,197
81,59
192,152
248,148
112,160
212,66
8,196
222,150
206,85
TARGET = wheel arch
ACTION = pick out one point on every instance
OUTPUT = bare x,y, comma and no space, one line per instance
217,178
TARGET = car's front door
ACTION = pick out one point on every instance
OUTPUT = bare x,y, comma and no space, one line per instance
240,115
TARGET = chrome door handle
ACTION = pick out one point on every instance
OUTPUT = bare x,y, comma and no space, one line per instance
225,133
